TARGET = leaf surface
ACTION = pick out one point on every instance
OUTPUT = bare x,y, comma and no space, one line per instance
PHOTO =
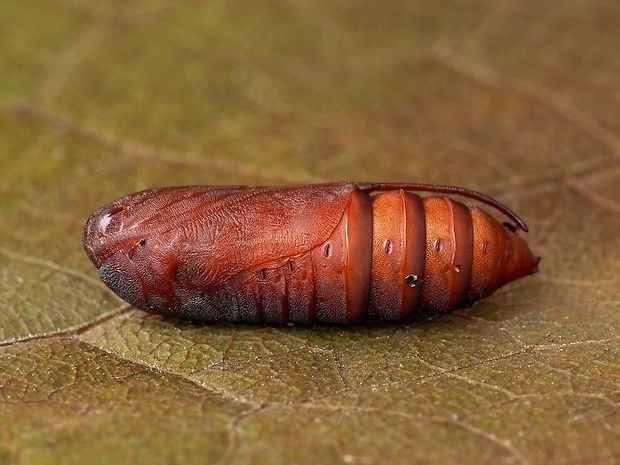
520,100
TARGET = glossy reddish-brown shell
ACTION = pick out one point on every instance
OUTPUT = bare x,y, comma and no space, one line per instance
328,253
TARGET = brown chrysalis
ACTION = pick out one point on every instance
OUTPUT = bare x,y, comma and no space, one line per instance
325,253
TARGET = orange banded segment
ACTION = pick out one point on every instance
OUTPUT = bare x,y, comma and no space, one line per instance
397,255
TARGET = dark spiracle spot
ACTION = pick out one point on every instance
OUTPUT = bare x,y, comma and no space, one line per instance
326,250
411,280
388,246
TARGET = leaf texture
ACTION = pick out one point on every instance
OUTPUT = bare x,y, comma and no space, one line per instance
520,100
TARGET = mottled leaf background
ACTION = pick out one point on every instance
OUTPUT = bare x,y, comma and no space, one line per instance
519,99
